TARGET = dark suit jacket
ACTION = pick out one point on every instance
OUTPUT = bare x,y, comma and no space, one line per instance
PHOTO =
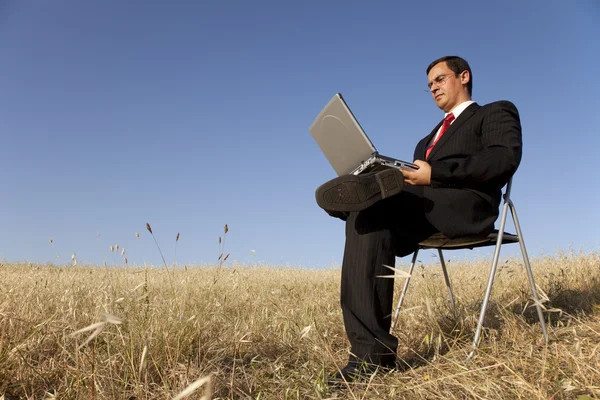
470,164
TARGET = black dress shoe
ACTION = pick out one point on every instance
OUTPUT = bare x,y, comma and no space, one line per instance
357,192
356,371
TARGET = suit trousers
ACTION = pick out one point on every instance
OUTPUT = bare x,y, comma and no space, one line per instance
374,237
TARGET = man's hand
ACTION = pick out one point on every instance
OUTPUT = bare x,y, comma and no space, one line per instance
421,176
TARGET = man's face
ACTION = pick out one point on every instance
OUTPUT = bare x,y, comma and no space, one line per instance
447,89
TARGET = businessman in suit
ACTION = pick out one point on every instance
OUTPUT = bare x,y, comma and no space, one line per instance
463,164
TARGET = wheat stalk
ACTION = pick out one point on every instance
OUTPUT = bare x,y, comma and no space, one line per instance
175,256
54,248
149,228
220,259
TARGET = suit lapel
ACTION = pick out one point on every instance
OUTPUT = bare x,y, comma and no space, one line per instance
462,118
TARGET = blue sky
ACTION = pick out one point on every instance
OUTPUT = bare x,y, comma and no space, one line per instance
193,115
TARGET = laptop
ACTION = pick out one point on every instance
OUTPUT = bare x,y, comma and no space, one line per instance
345,144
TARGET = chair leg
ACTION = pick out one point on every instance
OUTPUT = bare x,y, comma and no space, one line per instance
448,283
403,293
488,290
529,271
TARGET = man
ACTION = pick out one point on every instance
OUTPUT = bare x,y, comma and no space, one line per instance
463,165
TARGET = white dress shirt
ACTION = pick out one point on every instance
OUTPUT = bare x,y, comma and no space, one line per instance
456,111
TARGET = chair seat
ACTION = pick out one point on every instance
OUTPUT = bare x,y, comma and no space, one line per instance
441,241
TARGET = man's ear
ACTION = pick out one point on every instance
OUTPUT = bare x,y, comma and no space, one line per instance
465,77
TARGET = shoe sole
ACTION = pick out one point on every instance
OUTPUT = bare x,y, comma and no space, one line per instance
355,192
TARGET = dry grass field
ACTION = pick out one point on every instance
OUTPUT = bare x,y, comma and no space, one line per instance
258,332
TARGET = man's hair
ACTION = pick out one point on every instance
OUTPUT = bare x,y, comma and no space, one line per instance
457,65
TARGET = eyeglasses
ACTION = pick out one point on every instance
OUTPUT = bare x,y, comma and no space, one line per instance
439,81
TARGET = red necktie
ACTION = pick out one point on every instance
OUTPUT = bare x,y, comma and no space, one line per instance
447,121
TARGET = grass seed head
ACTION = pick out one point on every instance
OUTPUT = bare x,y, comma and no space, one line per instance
137,234
177,237
226,229
148,227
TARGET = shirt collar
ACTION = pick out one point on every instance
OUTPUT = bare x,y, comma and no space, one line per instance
460,108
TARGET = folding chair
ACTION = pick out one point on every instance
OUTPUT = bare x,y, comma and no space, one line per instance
497,238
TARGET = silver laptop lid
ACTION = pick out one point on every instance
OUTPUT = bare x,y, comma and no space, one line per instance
340,136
